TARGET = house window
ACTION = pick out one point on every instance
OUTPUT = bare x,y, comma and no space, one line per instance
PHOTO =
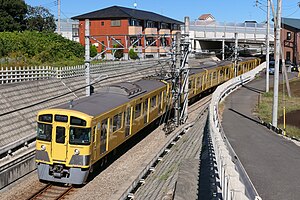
164,42
289,36
102,23
150,41
150,24
164,26
288,56
115,23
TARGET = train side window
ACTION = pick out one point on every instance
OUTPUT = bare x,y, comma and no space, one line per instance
159,103
103,135
94,133
190,84
116,122
227,71
153,102
214,75
137,110
198,81
104,125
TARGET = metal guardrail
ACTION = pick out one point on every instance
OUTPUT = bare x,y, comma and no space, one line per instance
234,181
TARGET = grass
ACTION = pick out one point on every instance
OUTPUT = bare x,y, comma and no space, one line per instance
265,106
167,174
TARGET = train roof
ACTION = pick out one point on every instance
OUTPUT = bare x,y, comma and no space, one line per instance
112,96
212,64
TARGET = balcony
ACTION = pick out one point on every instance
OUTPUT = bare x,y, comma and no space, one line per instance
164,49
135,30
151,49
175,31
150,31
164,31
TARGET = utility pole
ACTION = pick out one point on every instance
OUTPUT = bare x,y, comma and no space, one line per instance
87,56
268,46
277,55
58,17
185,71
176,79
235,54
287,83
223,49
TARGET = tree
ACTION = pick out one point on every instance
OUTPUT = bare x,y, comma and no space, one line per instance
12,14
133,55
39,19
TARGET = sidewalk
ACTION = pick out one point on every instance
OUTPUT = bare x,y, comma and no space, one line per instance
271,161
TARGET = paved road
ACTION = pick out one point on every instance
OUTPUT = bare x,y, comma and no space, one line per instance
272,162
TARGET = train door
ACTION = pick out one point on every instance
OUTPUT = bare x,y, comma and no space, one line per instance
103,136
59,144
146,111
127,121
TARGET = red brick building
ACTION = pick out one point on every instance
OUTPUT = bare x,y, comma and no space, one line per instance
290,39
148,33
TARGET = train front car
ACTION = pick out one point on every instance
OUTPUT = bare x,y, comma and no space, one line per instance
63,146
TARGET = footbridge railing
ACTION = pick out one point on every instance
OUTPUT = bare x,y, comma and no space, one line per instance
233,179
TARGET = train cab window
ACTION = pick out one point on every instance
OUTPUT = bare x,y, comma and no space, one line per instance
46,118
80,136
153,102
138,110
60,134
61,118
77,121
116,122
44,132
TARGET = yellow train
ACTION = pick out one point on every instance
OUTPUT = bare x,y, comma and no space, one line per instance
72,137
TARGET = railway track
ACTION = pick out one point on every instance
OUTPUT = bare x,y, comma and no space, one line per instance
52,192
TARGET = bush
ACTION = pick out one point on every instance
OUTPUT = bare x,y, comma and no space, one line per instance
132,54
93,51
35,48
119,53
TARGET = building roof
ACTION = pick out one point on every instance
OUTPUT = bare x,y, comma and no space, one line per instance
291,22
206,16
122,12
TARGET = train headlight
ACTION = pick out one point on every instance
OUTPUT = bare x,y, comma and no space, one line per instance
76,152
43,147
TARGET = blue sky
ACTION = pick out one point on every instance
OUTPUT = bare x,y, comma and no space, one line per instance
222,10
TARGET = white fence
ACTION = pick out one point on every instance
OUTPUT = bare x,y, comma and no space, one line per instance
234,181
18,74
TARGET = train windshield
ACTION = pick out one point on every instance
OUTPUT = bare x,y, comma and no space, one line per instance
44,132
80,136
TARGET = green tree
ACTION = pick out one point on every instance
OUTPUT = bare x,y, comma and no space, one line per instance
133,55
12,14
93,51
118,53
39,19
